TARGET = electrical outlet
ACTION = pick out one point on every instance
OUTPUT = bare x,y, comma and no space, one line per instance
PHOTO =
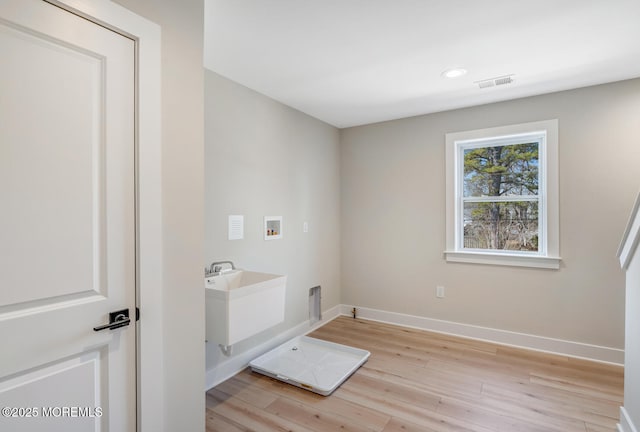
305,227
440,291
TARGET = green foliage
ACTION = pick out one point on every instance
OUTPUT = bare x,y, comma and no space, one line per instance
501,171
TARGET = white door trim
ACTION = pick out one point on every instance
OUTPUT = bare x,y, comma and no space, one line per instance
150,371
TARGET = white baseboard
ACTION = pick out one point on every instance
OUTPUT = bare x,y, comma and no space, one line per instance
225,370
626,425
503,337
235,364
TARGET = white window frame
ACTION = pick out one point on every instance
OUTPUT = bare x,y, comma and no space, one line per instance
548,254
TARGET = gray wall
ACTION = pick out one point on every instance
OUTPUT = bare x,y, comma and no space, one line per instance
393,219
182,208
263,158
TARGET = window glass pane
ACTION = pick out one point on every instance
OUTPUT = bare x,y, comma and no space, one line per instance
505,170
501,225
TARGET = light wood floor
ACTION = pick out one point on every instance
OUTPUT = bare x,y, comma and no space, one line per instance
421,381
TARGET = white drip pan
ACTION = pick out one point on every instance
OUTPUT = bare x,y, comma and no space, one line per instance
311,364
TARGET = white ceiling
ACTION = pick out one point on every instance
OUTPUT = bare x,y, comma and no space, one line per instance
352,62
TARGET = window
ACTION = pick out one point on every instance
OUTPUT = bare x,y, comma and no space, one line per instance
502,195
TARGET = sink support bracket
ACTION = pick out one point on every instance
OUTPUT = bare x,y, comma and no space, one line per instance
226,349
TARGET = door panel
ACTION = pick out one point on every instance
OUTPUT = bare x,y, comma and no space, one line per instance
48,175
72,383
67,225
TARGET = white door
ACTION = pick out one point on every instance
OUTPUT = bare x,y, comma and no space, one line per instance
67,221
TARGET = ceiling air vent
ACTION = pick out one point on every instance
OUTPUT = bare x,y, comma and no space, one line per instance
492,82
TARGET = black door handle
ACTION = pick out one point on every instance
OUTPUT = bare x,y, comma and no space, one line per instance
117,319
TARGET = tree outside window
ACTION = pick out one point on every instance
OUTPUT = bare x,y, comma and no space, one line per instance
502,195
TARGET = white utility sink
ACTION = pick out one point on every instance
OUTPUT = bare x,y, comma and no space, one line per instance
241,303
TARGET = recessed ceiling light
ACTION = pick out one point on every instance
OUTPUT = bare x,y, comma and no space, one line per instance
454,73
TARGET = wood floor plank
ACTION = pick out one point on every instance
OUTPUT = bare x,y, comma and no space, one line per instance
334,405
402,392
312,418
597,428
502,419
400,425
218,423
429,382
436,383
416,413
254,419
250,394
591,410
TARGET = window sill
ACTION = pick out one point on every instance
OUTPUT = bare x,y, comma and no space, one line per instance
504,259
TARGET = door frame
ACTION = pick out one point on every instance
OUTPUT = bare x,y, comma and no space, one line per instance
149,280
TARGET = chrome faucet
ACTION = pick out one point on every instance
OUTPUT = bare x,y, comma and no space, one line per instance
215,268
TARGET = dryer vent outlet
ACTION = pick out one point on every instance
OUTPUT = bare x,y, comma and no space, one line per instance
315,305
